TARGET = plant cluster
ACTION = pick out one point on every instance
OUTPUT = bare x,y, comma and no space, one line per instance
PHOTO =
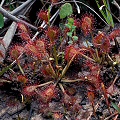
51,67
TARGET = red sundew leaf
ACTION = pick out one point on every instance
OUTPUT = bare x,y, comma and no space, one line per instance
41,47
22,27
102,41
43,15
22,79
105,47
52,33
115,33
48,71
29,90
91,98
25,36
98,40
31,49
70,52
16,51
47,94
40,44
87,23
92,66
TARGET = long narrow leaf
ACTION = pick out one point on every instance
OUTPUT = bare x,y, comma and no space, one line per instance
108,12
102,12
1,21
5,69
116,107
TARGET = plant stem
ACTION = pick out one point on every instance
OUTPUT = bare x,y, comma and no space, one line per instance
44,84
87,57
98,58
67,66
20,68
62,88
55,55
105,96
72,81
52,70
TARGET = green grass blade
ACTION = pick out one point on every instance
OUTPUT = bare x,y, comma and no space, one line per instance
116,107
5,69
102,12
108,12
1,21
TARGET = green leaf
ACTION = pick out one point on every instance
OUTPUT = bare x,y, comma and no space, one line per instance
69,34
75,38
5,69
68,26
71,21
108,12
73,28
65,10
1,21
70,42
116,107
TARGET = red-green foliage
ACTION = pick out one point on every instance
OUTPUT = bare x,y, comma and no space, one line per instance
41,65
